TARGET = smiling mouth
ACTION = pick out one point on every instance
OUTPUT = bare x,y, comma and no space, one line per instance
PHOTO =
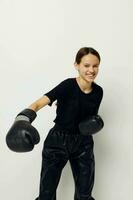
91,76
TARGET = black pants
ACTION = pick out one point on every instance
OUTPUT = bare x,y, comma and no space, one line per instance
59,147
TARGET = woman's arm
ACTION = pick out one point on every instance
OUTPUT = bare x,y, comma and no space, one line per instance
40,103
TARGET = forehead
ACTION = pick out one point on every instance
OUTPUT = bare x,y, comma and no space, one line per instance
90,58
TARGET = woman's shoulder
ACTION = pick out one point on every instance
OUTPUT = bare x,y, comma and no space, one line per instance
98,87
68,80
68,84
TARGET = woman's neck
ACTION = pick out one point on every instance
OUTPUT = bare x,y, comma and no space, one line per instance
84,85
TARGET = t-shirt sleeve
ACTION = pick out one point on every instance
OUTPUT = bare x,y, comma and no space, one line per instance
57,92
100,96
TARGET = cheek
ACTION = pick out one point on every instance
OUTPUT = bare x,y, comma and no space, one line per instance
82,70
96,71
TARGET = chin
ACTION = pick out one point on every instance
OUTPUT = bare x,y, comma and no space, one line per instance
89,79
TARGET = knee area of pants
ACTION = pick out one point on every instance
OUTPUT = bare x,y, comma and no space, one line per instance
47,195
84,197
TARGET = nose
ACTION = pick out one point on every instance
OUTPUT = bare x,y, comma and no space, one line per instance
91,69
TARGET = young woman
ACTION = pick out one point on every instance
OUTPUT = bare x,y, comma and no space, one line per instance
77,98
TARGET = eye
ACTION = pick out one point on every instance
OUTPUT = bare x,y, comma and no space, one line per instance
86,65
96,66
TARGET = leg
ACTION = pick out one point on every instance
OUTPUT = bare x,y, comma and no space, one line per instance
54,159
83,165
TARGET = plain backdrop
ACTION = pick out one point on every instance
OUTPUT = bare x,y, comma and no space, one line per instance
38,44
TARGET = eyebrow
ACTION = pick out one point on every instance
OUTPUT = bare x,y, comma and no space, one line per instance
89,64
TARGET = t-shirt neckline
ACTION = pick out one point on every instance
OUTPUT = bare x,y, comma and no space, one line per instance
81,90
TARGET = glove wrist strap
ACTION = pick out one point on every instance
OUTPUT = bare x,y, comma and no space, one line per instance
22,118
31,114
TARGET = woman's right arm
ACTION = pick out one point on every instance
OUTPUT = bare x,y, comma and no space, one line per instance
51,96
40,103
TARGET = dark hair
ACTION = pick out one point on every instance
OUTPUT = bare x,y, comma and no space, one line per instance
84,51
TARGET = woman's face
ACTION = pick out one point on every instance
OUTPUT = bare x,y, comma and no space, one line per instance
88,67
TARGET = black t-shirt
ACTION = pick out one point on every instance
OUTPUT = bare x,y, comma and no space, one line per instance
73,105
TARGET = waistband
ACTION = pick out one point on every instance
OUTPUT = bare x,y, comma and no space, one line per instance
68,131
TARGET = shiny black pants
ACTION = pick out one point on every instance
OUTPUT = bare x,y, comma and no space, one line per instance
59,147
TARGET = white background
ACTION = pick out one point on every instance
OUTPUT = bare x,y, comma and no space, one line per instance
38,44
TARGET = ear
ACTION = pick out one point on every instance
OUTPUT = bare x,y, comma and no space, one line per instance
76,66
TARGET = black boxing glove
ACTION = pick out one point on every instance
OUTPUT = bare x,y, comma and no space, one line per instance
22,136
91,125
